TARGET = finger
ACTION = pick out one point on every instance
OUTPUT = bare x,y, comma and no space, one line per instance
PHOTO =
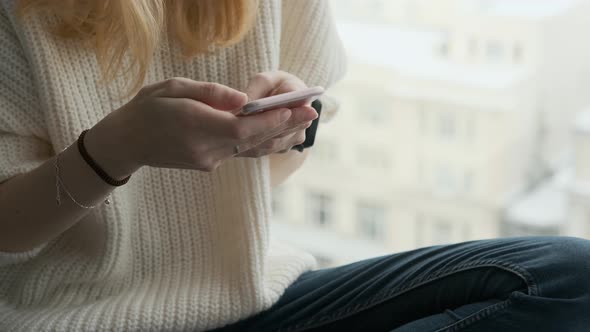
269,147
299,128
247,128
290,85
267,84
216,95
301,116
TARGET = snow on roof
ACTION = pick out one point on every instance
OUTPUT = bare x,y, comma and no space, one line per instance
412,52
545,206
326,243
525,9
582,122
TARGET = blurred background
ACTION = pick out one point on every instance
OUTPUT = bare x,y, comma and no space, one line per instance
460,120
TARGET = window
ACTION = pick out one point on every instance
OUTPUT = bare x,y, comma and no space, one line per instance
446,126
473,48
371,157
325,150
422,119
468,181
517,53
442,232
319,208
444,47
495,52
445,182
371,220
471,128
375,111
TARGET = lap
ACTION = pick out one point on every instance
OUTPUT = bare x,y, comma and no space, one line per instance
445,283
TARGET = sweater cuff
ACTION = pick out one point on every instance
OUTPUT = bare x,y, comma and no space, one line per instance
10,258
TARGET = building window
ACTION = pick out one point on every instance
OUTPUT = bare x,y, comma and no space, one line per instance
442,232
320,208
471,128
371,220
445,182
468,181
495,51
325,150
517,53
375,111
444,47
446,126
422,119
372,157
473,48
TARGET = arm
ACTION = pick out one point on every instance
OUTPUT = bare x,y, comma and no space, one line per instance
29,213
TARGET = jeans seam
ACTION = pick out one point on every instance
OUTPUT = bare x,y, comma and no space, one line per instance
387,294
477,316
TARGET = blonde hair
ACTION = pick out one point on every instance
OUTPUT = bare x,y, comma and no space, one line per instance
119,27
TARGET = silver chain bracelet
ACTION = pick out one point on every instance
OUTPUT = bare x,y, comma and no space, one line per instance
59,186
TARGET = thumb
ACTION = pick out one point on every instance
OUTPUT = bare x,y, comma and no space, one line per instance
263,124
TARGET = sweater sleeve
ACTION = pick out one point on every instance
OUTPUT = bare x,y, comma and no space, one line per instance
310,46
22,127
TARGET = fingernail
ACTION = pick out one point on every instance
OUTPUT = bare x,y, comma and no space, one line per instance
285,115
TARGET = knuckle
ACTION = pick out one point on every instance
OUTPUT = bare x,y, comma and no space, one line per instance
172,84
300,138
209,165
209,88
186,104
276,144
263,77
238,131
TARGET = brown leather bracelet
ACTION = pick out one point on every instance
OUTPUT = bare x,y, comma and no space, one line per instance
97,169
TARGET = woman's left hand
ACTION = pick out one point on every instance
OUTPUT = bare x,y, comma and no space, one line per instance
293,131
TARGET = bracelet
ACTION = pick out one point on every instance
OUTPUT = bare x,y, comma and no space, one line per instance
59,185
97,169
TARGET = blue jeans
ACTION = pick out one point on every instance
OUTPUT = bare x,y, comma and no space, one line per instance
513,284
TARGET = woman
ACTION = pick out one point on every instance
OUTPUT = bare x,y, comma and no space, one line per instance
182,245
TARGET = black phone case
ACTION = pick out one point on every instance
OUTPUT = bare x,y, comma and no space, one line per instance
310,132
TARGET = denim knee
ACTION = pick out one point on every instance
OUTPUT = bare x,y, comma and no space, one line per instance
565,266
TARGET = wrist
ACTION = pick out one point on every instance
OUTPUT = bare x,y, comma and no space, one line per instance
110,150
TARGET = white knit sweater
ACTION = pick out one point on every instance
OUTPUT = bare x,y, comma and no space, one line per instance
176,250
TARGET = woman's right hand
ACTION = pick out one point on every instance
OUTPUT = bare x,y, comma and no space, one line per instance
177,123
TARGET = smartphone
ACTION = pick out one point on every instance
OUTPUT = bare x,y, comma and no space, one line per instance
285,100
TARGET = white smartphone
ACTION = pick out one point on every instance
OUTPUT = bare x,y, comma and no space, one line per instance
285,100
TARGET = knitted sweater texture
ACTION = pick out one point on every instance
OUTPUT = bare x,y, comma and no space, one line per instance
176,250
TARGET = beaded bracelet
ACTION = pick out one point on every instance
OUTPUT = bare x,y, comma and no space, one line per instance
97,169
